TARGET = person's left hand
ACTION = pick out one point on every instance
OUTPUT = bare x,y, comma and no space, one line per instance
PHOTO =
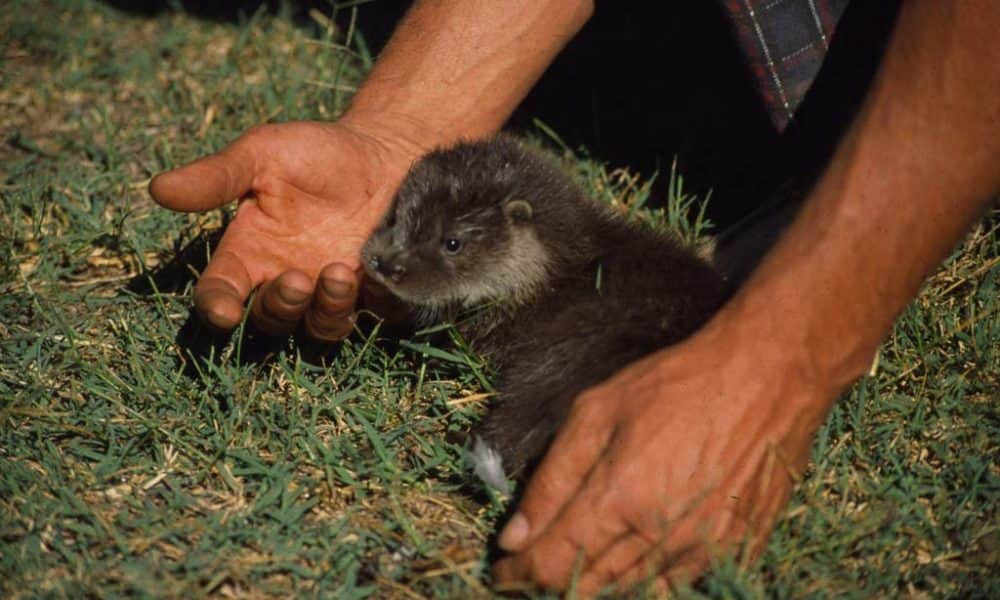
681,456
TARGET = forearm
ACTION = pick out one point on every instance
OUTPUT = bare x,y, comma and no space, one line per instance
920,163
458,68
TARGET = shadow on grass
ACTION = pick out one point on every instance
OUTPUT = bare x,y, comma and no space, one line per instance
201,343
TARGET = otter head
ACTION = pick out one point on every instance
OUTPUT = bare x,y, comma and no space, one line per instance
460,231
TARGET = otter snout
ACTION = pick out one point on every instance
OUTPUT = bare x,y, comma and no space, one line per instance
383,259
388,265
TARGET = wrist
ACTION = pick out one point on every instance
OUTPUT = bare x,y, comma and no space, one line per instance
774,387
402,138
827,343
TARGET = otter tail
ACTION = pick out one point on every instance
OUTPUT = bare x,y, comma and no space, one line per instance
488,465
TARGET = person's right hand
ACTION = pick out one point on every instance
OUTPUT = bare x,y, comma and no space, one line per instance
310,194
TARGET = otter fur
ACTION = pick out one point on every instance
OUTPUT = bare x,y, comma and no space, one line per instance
567,291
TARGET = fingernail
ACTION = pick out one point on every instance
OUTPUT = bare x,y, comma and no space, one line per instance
336,288
515,533
293,295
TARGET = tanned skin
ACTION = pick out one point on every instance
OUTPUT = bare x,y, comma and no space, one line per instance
312,192
691,451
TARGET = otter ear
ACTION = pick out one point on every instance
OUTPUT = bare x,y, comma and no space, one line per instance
518,210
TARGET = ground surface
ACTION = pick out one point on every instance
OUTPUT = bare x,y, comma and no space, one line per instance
140,456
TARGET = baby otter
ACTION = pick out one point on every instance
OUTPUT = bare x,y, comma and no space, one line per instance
568,292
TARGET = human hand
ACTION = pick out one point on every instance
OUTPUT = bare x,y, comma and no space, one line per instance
681,456
310,194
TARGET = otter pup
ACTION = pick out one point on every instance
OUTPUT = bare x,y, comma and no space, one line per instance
567,292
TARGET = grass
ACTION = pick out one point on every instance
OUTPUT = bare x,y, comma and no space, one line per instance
141,456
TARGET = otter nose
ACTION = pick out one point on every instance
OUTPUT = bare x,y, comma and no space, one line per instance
389,267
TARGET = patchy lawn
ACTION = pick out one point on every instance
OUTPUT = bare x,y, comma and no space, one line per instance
141,455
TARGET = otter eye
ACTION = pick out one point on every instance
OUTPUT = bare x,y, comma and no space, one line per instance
452,245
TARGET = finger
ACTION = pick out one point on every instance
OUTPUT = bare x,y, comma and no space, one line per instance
686,572
281,302
562,472
643,575
222,290
533,571
689,543
653,587
620,558
592,522
208,182
683,556
644,581
658,571
757,529
331,316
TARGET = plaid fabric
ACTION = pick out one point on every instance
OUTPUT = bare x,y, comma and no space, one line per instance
785,42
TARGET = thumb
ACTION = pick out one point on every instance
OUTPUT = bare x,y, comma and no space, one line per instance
208,182
569,461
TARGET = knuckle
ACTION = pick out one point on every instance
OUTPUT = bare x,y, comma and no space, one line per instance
333,309
608,572
555,569
322,329
547,484
274,311
269,321
339,272
285,302
547,576
620,500
588,405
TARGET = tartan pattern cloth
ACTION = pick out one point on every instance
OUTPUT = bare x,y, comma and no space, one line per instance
784,42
